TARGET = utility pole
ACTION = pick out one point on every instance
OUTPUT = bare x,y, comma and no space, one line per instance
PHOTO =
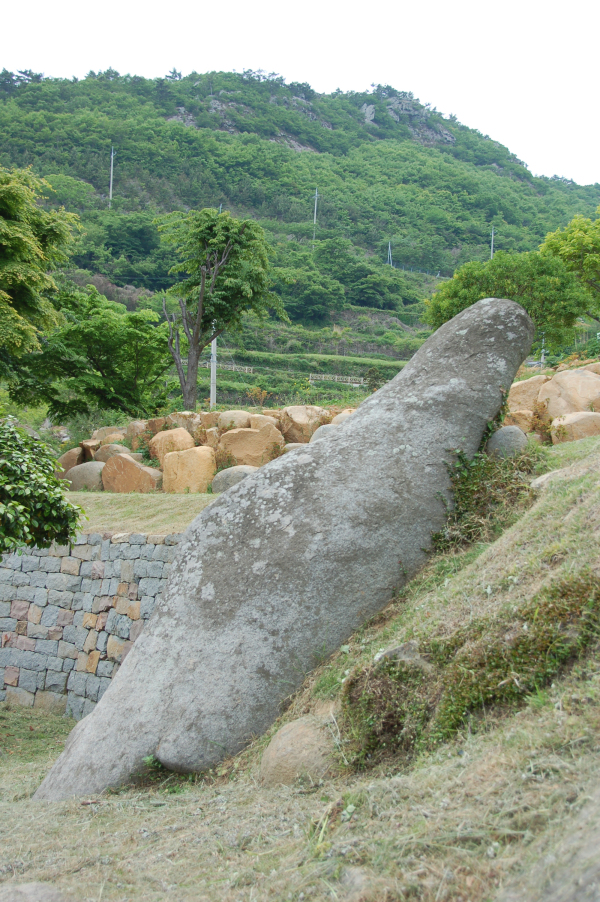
220,208
317,196
112,156
492,247
389,259
213,373
543,354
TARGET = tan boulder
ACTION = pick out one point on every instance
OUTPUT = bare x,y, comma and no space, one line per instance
186,419
570,392
190,470
523,395
593,368
302,748
111,439
210,418
122,473
135,429
574,426
341,417
101,433
86,477
253,447
524,419
156,424
234,419
298,423
89,448
170,440
258,420
212,437
105,452
66,461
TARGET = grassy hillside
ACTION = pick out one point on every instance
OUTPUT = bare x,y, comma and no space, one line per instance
457,820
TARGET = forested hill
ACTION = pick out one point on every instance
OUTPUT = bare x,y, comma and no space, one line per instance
387,169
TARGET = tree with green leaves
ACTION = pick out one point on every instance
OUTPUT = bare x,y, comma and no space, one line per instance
33,509
578,246
32,242
98,355
225,261
552,296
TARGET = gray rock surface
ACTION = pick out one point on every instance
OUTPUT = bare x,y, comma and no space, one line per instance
322,432
285,566
225,479
507,442
86,476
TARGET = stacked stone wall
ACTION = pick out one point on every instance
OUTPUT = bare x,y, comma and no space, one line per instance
70,614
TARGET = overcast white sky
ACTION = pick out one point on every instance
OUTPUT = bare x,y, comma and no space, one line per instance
523,71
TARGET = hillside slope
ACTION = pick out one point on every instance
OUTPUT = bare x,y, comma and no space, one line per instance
388,169
463,820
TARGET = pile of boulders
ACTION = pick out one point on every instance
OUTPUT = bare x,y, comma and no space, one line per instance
191,451
565,406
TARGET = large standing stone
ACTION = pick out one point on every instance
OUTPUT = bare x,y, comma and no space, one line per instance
86,477
135,429
571,391
170,440
190,470
122,473
285,566
253,447
67,461
299,422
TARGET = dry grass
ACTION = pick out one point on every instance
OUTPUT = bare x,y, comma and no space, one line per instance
454,825
159,513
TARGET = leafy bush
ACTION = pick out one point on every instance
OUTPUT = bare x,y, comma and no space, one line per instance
33,509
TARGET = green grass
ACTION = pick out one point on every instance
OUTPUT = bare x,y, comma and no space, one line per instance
159,513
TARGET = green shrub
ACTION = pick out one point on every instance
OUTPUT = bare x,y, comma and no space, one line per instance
33,509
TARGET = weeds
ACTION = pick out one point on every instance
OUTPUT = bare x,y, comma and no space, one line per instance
403,704
489,493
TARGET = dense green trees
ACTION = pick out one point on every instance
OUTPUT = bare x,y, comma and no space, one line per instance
553,297
33,509
226,266
578,246
97,355
32,242
260,147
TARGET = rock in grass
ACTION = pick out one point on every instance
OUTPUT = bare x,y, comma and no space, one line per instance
122,473
226,479
301,748
284,567
86,477
507,442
